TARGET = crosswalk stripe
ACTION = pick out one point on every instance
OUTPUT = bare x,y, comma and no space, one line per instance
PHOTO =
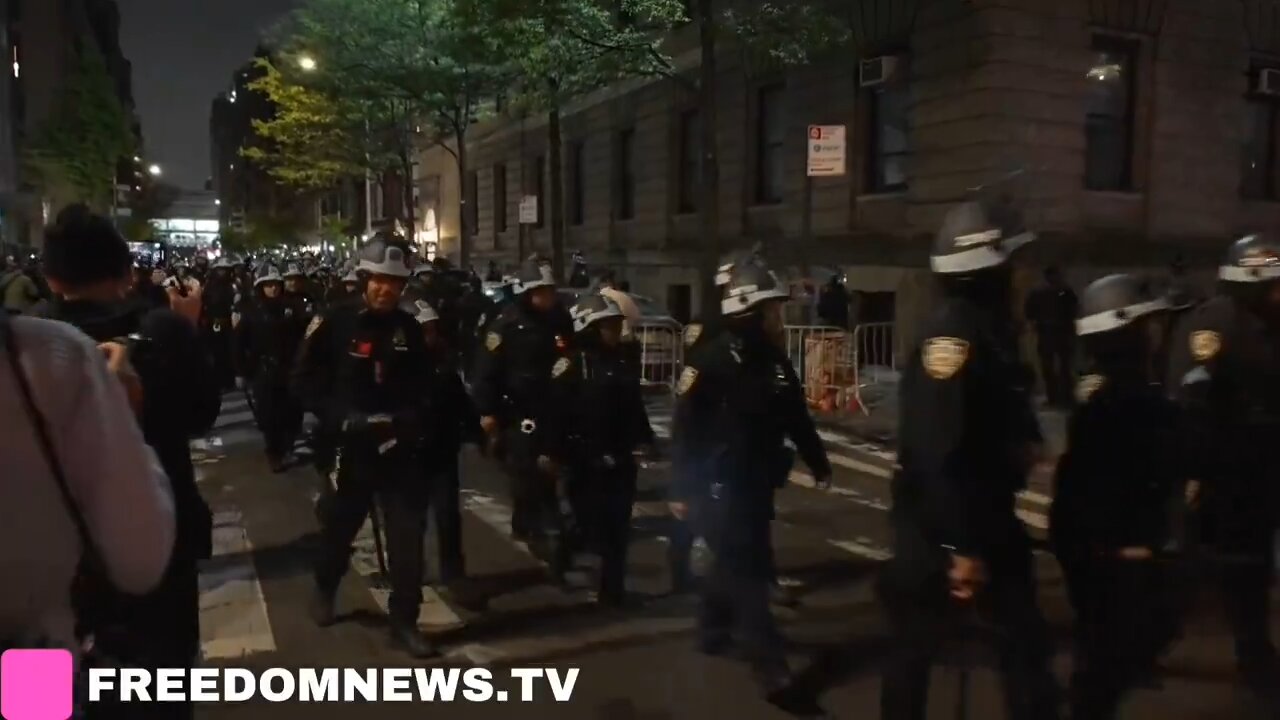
233,610
433,614
1030,517
235,418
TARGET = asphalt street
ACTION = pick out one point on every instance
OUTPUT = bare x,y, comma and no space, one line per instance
635,663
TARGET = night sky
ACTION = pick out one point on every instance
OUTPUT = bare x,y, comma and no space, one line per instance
183,53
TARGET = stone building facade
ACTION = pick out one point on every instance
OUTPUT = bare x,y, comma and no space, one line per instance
1144,130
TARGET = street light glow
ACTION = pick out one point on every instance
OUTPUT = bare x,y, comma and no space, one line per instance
307,63
217,202
155,170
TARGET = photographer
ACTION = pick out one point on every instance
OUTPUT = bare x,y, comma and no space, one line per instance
113,482
88,266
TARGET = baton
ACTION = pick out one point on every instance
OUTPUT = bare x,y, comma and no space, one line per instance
377,539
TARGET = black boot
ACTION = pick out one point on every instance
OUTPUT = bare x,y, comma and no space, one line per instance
322,607
406,636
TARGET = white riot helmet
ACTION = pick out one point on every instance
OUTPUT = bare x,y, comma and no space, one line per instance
421,311
267,274
751,283
382,257
1115,302
591,310
1251,259
535,273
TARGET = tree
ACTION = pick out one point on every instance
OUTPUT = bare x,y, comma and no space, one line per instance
421,62
74,154
564,48
313,139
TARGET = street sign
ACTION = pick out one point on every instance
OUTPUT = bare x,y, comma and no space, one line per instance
826,150
529,210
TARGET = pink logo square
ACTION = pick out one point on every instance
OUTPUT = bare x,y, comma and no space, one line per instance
36,685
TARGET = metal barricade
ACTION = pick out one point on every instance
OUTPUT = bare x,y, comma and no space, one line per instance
844,371
875,363
820,354
661,353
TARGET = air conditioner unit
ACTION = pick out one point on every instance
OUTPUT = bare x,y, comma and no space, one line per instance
877,70
1268,82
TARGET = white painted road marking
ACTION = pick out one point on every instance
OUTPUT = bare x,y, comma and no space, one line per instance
434,614
233,611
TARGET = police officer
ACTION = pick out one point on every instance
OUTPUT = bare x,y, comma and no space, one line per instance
218,300
969,438
1225,372
599,425
1109,518
512,393
296,291
738,401
450,421
267,341
363,368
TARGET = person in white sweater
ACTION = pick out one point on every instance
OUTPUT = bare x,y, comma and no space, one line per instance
117,483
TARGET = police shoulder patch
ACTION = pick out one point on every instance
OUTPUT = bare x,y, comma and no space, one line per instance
691,334
1088,385
1205,345
560,368
492,341
687,380
316,322
944,356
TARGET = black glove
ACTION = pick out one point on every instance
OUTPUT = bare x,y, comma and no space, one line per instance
408,426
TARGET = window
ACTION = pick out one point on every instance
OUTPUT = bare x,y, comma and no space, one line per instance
577,183
473,203
1109,122
1258,162
770,136
539,188
626,174
890,138
500,198
690,179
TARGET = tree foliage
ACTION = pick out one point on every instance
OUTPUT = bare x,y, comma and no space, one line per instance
313,138
74,154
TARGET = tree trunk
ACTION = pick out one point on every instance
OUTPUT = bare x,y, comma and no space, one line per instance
410,212
464,224
710,186
554,142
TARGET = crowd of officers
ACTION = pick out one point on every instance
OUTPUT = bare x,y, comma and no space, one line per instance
1167,451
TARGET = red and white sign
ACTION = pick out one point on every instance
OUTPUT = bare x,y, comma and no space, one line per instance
826,151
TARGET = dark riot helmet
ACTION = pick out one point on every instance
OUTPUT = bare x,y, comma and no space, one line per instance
383,256
592,309
224,262
1116,302
978,235
534,273
1251,259
750,284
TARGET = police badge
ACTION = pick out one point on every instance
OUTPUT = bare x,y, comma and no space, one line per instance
687,380
1087,386
288,312
943,357
691,334
1205,345
560,368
